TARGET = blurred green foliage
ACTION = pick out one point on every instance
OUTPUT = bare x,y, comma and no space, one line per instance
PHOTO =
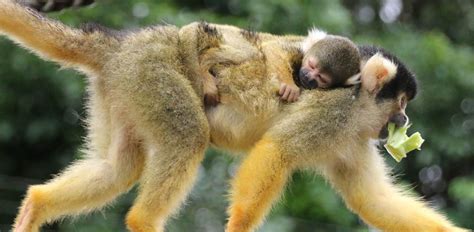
41,108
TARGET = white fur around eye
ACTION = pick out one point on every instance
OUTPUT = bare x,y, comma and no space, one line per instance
314,35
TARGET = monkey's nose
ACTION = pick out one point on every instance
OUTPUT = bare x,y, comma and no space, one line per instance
399,119
312,84
306,80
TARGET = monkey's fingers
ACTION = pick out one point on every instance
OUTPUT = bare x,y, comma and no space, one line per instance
296,95
292,97
286,94
283,87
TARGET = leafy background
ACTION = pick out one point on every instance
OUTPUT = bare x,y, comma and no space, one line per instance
42,107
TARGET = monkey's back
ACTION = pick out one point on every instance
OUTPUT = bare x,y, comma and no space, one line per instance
145,81
318,124
141,52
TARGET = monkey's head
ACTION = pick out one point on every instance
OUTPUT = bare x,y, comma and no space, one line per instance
332,61
391,83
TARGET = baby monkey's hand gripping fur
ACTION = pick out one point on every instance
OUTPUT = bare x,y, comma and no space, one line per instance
146,123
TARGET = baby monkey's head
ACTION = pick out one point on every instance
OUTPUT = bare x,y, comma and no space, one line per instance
329,61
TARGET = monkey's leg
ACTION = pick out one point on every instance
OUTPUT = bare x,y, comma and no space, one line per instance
368,191
177,131
258,183
165,183
84,186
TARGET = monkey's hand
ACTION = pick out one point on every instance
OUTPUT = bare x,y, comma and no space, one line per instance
211,94
211,99
289,92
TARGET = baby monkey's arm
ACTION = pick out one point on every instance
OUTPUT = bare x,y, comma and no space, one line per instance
285,54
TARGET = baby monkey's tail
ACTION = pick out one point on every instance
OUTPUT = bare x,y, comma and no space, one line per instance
82,49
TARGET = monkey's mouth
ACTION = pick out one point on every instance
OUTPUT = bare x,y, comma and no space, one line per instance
306,81
383,134
399,119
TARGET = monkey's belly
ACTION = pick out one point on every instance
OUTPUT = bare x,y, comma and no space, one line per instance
234,129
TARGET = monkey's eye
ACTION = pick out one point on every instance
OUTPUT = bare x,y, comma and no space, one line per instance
324,80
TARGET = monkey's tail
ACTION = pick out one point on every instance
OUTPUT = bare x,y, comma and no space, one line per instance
52,40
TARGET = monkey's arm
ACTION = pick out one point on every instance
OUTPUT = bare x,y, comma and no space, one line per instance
53,40
258,183
368,190
281,55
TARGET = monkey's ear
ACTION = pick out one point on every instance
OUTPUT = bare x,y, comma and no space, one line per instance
376,72
353,80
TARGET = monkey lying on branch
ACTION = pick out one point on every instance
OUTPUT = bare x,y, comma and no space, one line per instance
147,124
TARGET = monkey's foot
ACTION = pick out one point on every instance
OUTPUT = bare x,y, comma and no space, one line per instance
138,222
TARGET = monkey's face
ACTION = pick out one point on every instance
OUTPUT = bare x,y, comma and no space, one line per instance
312,75
392,85
397,116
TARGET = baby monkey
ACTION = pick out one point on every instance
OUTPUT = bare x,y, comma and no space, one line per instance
327,61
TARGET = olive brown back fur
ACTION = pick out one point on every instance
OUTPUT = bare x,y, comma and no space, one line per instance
147,124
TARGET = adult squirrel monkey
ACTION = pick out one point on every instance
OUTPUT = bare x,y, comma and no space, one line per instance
147,123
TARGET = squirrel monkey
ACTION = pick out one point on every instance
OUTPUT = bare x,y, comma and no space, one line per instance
147,124
328,61
330,132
